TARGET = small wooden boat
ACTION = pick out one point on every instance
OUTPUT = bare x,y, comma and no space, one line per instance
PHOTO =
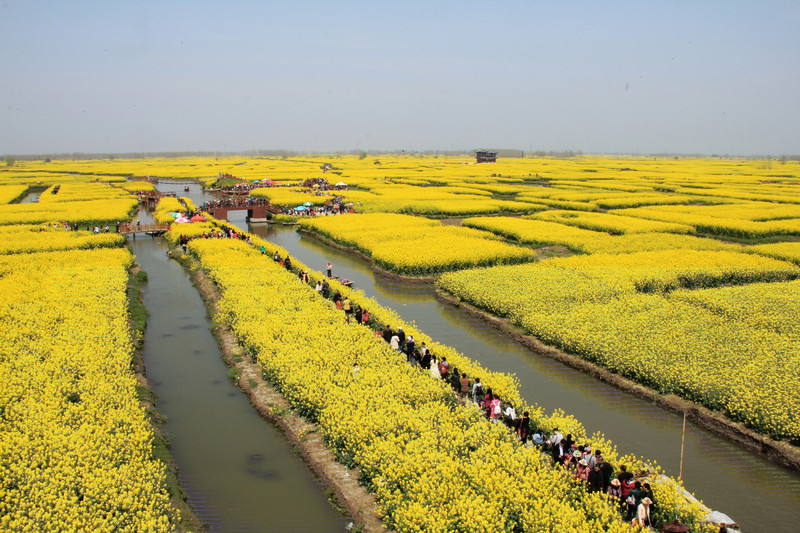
343,281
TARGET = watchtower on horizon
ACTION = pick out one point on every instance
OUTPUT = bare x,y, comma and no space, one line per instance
485,156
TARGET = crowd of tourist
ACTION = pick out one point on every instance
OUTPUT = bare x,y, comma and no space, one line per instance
234,202
121,227
634,498
335,206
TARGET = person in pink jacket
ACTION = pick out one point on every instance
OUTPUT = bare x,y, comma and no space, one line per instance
495,412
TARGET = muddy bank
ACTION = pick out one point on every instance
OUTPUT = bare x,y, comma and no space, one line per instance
776,451
345,491
189,521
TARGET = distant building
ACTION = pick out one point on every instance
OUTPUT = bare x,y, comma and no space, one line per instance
485,156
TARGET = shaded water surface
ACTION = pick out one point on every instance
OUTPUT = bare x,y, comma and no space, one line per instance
759,495
239,472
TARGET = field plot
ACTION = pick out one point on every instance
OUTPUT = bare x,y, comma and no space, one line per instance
417,246
9,193
31,238
788,251
613,224
76,446
628,312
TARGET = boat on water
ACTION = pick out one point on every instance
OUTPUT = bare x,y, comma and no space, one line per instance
343,281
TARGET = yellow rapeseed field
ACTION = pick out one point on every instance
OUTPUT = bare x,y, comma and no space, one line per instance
76,446
433,463
650,300
416,246
9,193
627,312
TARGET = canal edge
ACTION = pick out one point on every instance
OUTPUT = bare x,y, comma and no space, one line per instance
778,452
345,492
188,521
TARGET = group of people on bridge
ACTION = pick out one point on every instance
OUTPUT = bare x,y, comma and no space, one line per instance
228,203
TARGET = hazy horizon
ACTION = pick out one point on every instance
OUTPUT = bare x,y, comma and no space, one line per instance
602,78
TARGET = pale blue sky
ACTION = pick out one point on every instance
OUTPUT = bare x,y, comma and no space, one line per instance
602,77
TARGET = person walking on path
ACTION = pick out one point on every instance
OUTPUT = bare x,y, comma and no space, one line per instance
435,368
455,381
633,500
411,344
606,469
524,428
394,342
510,416
477,391
464,382
647,492
444,367
595,479
495,409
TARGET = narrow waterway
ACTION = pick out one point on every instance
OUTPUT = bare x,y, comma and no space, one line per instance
759,495
238,471
31,198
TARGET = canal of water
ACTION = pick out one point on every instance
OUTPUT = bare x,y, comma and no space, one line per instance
759,495
239,472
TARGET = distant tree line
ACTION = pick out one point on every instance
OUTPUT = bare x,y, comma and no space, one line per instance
10,159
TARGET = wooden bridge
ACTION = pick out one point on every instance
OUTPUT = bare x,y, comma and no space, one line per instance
256,212
152,197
